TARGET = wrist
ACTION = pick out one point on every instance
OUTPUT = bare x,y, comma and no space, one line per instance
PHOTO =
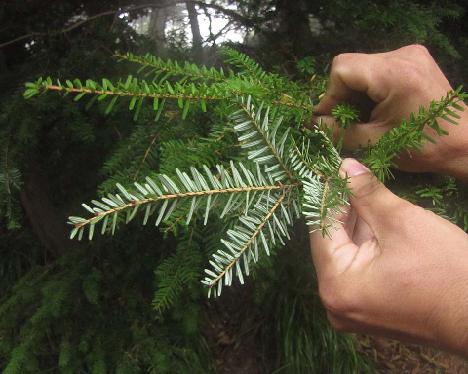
455,153
452,326
457,167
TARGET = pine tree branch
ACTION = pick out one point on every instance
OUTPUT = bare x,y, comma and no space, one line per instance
307,107
153,200
250,241
194,72
131,94
323,203
145,156
410,134
248,111
301,161
270,82
172,68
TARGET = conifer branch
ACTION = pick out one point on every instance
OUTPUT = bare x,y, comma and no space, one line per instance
165,69
325,193
183,92
295,105
247,65
140,93
145,156
292,95
323,202
265,225
288,175
175,273
153,200
301,160
410,136
255,130
166,196
250,241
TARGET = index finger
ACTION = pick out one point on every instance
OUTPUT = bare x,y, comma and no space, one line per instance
351,73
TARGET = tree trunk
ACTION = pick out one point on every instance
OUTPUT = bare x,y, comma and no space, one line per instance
45,219
197,40
294,25
157,26
3,67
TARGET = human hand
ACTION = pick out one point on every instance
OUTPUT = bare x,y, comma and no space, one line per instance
394,269
398,83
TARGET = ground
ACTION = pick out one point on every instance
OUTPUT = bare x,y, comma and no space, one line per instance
392,356
233,337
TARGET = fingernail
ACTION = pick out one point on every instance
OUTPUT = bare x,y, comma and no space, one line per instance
351,168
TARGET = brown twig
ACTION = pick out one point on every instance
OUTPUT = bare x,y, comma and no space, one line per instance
247,245
267,142
152,200
153,140
54,87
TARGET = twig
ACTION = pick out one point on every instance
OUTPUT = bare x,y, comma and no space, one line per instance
152,200
213,37
251,240
145,156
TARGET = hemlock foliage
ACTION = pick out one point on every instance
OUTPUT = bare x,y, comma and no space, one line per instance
134,302
264,193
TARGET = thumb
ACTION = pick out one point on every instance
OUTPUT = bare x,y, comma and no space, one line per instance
370,198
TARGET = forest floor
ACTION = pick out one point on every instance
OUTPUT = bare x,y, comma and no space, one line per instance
233,336
235,332
392,356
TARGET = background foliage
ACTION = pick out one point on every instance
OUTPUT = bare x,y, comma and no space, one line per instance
133,303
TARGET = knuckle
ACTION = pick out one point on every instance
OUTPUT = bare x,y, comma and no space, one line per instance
341,60
338,59
419,48
415,49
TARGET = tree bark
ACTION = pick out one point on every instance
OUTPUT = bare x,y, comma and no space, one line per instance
294,25
45,219
157,26
3,67
197,39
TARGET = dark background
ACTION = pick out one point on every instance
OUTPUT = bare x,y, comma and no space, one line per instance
87,307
